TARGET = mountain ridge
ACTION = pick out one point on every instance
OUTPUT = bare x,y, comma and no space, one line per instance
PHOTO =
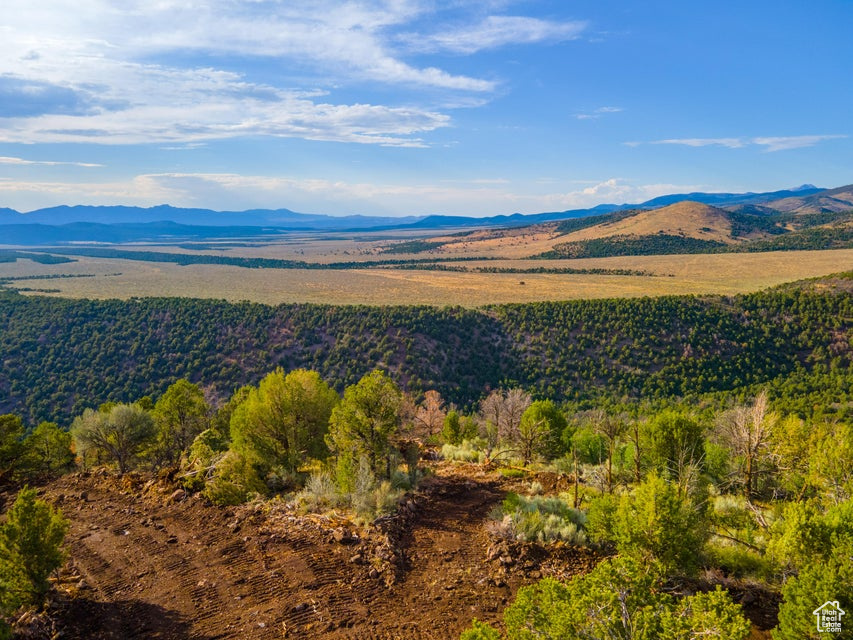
122,223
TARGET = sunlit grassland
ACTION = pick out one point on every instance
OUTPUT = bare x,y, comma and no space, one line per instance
683,274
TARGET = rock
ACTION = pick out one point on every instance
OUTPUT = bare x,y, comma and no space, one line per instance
301,607
341,535
177,495
357,559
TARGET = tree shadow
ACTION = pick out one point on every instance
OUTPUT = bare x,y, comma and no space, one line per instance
82,618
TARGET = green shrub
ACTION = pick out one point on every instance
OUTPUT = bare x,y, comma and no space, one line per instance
48,450
234,481
320,493
405,480
512,473
117,432
11,434
541,519
800,535
480,631
30,550
206,449
469,451
362,497
599,517
451,432
591,447
739,562
658,523
620,599
819,581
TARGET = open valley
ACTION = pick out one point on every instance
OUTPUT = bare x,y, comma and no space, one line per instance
426,320
727,273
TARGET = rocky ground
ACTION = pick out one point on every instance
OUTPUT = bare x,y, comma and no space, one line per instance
151,562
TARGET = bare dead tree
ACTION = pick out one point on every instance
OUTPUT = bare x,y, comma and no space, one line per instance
500,416
610,428
747,431
516,402
634,432
429,416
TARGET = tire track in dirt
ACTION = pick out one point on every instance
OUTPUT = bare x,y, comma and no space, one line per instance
446,582
180,570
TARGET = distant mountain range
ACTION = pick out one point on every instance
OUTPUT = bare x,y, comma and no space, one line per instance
114,224
822,219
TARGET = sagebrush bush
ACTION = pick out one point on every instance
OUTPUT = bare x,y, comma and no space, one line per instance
468,451
541,519
320,493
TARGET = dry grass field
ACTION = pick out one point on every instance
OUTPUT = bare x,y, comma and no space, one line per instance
682,274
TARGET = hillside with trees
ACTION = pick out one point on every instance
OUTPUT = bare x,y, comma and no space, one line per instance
61,356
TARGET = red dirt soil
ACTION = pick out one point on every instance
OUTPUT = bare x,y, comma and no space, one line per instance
147,562
145,566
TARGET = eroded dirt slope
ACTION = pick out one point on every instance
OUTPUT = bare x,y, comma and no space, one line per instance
146,564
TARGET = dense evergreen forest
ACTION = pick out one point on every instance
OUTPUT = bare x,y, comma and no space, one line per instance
60,356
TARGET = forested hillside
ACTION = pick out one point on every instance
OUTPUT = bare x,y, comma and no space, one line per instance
60,356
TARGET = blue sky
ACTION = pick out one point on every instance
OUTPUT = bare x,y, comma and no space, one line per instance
410,107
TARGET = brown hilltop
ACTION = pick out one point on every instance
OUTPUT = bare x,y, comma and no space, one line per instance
687,218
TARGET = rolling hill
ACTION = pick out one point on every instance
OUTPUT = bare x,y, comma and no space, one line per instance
686,219
817,220
683,227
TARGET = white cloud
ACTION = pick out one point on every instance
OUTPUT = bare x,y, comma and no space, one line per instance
597,113
793,142
497,31
142,71
731,143
770,144
50,163
195,105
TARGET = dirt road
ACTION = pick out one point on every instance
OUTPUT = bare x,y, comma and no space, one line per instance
155,567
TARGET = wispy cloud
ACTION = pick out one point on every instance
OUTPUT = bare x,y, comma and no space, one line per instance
778,143
50,163
793,142
496,31
196,105
152,71
597,113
